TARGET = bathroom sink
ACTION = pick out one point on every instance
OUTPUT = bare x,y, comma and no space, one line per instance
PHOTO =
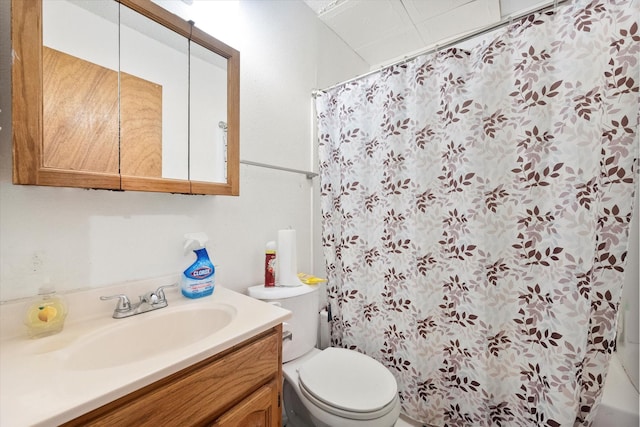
97,359
147,335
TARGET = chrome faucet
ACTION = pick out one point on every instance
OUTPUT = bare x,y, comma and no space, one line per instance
150,301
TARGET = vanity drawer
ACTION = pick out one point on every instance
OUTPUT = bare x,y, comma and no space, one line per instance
201,393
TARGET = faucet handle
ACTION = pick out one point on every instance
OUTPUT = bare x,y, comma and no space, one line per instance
150,298
160,291
123,302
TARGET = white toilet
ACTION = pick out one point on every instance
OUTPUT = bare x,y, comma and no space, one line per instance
333,387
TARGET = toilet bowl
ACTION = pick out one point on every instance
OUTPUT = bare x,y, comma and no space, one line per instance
339,388
334,387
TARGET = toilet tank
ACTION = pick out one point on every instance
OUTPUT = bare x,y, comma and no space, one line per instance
302,301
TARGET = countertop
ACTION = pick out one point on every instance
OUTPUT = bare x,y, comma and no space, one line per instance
38,387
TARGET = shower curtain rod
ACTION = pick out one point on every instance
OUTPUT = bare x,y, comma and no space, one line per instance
437,47
308,174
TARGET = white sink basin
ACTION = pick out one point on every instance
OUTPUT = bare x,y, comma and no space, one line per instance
146,335
96,359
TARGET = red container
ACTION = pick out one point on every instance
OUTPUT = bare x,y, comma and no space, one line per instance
270,265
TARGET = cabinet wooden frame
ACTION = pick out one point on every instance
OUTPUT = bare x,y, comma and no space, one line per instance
27,109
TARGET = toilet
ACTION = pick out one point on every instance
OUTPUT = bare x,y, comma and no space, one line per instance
332,387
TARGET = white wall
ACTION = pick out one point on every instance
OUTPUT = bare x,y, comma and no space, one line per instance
92,238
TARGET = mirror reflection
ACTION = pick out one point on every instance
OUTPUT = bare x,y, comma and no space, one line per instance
80,86
123,94
208,108
154,96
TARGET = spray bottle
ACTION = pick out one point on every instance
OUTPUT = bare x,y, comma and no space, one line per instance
199,279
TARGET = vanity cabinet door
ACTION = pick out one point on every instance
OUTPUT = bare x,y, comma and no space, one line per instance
258,410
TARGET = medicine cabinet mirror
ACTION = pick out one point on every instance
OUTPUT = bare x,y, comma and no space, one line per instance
122,95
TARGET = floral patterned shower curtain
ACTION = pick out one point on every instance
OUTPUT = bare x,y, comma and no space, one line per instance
476,206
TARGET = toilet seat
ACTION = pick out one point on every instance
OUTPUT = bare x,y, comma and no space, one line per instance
348,384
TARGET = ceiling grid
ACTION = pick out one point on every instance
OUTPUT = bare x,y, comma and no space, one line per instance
384,31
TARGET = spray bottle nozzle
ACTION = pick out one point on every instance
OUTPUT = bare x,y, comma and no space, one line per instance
194,241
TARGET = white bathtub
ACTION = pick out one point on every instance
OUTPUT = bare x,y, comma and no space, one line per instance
620,401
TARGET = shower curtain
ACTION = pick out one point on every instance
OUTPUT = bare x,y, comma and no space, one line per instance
475,209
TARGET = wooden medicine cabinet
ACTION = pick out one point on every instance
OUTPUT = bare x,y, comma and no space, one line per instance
122,95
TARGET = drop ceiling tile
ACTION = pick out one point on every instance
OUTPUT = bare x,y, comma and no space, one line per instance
319,6
516,7
361,22
461,20
421,10
396,44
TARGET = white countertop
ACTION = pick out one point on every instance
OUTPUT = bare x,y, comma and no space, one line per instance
39,388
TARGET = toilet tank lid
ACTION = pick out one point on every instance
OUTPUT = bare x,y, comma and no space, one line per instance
280,292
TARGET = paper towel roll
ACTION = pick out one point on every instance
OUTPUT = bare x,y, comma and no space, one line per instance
286,256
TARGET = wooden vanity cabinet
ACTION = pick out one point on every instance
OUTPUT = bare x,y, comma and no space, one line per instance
240,387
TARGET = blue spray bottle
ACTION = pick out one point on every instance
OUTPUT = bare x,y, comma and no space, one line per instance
199,279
